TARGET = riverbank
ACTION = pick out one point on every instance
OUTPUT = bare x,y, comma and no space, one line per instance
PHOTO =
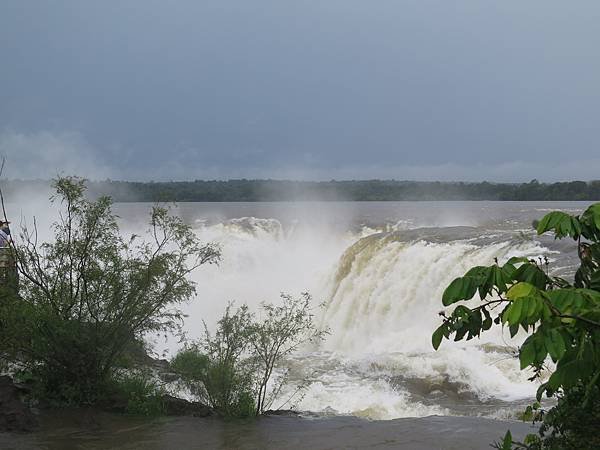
94,430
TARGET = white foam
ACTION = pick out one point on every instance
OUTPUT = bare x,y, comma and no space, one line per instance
382,306
386,307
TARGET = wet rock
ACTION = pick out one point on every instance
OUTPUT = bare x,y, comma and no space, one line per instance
179,407
14,414
158,364
169,377
281,412
115,401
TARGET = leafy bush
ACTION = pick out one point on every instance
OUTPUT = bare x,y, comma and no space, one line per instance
233,369
217,370
574,423
562,319
89,294
144,396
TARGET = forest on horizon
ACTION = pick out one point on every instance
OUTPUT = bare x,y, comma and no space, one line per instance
244,190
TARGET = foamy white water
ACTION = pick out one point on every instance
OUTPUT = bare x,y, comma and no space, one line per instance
381,280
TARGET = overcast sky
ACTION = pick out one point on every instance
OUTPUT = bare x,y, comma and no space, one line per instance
451,90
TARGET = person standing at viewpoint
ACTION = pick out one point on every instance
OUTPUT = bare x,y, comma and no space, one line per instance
4,233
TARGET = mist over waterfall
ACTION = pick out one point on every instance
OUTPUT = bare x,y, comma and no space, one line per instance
376,276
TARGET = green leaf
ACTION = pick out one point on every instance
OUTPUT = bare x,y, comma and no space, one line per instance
562,224
507,441
499,278
514,311
590,386
595,280
438,334
543,388
521,289
540,351
487,323
550,220
533,351
532,439
463,288
478,272
517,260
562,299
555,345
527,353
531,274
574,301
569,370
592,215
531,315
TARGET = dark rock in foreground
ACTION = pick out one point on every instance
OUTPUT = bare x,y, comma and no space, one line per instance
178,407
117,402
15,416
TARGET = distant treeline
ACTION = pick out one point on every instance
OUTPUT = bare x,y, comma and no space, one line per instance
368,190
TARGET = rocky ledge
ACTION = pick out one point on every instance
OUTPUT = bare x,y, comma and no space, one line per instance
15,415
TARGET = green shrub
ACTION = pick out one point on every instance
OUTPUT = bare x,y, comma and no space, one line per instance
190,364
245,406
574,423
144,396
561,318
232,369
89,293
217,370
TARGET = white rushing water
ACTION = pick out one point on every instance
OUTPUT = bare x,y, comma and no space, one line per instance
382,295
383,307
380,273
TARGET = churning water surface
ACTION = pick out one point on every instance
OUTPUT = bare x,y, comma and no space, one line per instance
378,270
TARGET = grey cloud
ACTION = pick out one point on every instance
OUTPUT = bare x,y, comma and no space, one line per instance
403,89
46,154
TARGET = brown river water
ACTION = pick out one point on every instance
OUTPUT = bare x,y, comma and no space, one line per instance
91,430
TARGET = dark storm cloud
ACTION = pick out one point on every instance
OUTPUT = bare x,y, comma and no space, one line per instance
503,90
